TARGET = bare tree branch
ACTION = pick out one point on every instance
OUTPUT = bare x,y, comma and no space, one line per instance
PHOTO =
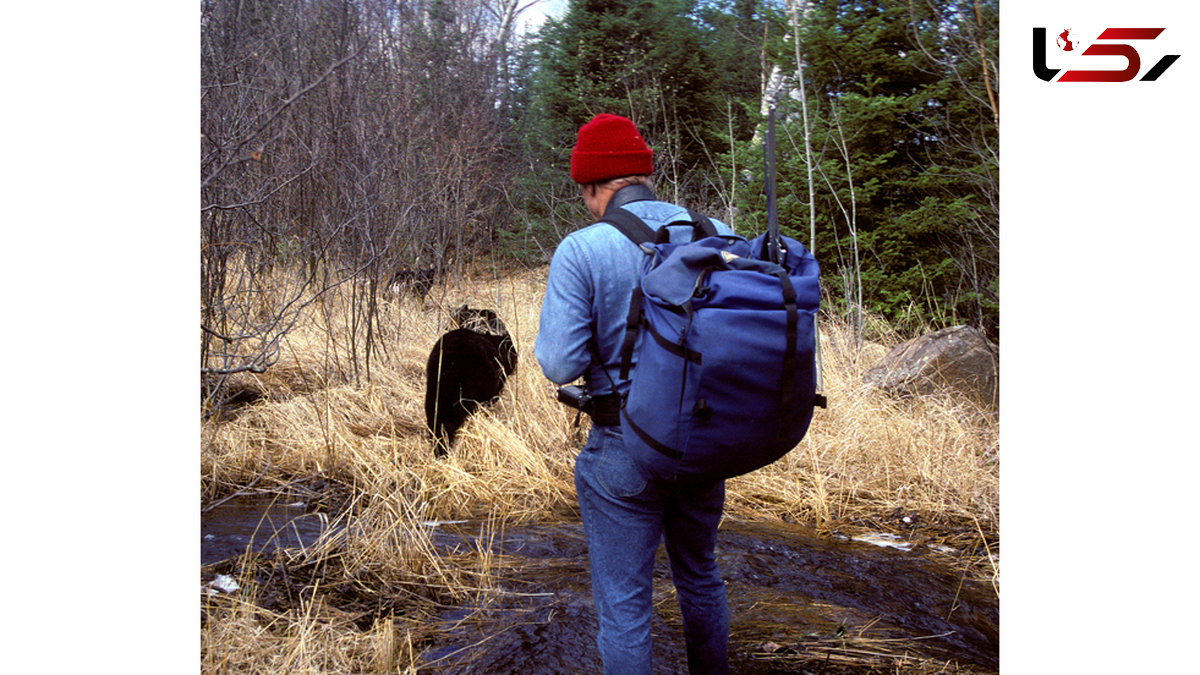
278,111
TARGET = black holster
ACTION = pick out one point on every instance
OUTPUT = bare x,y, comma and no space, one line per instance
606,411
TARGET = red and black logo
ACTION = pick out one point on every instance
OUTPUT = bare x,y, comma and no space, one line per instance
1066,41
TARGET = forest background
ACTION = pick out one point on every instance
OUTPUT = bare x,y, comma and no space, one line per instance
354,139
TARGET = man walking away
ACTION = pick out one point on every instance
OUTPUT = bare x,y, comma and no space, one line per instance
626,514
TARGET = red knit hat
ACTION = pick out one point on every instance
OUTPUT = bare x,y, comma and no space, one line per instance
607,147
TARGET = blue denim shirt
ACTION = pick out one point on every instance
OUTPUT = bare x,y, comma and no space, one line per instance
592,276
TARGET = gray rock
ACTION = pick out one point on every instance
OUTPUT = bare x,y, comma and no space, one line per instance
959,358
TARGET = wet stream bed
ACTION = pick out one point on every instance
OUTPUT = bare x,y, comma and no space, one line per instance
799,602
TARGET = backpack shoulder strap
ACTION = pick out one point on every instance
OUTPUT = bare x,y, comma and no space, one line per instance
634,228
637,231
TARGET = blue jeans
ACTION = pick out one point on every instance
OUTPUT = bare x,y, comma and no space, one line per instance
625,515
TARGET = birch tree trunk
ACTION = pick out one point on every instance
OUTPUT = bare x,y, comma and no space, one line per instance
794,13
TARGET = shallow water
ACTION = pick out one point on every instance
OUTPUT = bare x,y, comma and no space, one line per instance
256,524
793,596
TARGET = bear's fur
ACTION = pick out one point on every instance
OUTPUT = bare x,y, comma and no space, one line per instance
467,367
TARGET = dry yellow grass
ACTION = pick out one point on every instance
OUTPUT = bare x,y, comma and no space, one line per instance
868,462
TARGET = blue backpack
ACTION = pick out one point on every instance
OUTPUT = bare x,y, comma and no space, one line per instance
725,380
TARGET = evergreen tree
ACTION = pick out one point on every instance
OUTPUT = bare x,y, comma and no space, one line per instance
903,137
670,66
732,42
639,59
902,119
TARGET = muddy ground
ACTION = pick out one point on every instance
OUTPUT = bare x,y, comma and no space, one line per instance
799,602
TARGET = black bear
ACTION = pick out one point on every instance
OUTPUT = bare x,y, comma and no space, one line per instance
467,367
